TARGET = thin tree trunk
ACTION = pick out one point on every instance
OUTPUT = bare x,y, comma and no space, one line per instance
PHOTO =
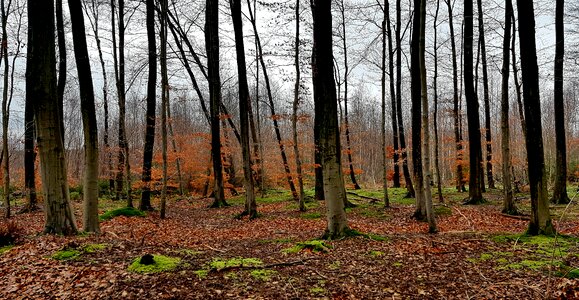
61,63
456,111
42,92
395,135
174,148
407,178
425,124
302,206
516,79
472,107
416,91
212,47
29,158
90,219
488,138
560,189
274,116
383,114
250,208
5,110
435,115
540,222
145,203
164,103
508,201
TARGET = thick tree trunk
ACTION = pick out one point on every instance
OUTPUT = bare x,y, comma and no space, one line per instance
456,110
250,208
425,124
540,219
416,91
212,47
404,154
435,114
90,218
560,189
41,91
508,200
29,157
145,203
61,64
274,116
488,138
472,107
325,101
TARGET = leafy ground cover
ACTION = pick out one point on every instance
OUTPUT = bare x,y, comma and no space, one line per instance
202,253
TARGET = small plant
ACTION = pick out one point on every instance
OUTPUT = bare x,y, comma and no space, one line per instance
155,264
75,196
125,211
313,246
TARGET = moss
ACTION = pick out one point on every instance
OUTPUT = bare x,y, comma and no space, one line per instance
124,211
5,249
313,215
335,265
66,254
502,261
219,263
376,253
91,248
486,256
161,264
531,264
442,211
201,274
397,264
262,274
572,274
317,290
313,246
75,196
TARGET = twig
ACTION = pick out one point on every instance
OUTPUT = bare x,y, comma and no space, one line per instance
218,250
469,223
524,218
372,200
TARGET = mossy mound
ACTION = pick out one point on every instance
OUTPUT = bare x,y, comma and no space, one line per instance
160,264
124,211
313,246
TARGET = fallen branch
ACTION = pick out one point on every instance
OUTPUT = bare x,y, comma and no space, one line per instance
372,200
524,218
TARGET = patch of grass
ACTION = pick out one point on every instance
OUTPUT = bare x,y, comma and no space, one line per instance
66,254
91,248
309,203
5,249
312,215
317,290
262,274
313,246
376,253
219,263
531,264
486,256
161,264
201,274
276,241
124,211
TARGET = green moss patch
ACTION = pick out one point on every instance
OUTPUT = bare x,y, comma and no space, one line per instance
442,211
262,274
201,274
313,246
376,253
66,254
160,264
312,215
219,264
92,248
125,211
5,249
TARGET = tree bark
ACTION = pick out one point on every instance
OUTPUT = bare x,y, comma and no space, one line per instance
250,208
472,110
508,200
145,203
61,63
384,152
560,190
540,218
435,114
516,80
488,137
296,103
90,218
325,101
41,91
212,47
416,91
425,124
29,157
5,110
407,178
164,103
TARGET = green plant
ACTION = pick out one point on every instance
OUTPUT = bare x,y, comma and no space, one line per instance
262,274
313,245
5,249
219,263
312,215
66,254
160,263
124,211
75,196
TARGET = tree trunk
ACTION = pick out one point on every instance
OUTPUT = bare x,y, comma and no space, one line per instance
164,103
472,107
395,135
325,101
488,138
145,203
41,91
302,206
274,116
5,111
407,178
456,111
250,208
516,79
540,218
61,64
508,201
29,157
212,47
560,189
416,94
90,218
425,124
383,121
435,115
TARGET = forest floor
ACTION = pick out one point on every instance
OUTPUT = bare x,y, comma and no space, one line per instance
477,254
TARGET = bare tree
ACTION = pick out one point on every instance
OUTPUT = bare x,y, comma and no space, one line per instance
295,106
